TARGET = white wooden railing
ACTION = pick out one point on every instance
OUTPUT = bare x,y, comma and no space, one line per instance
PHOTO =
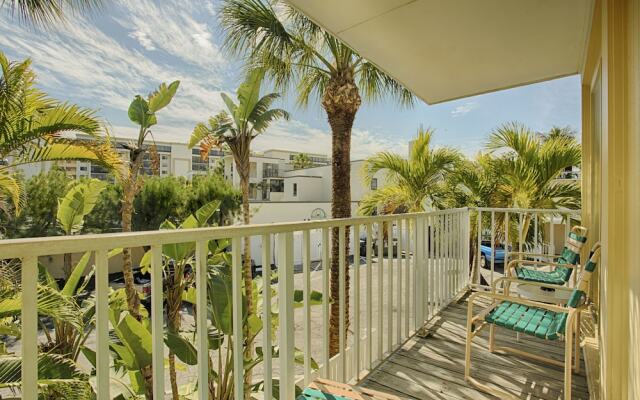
488,228
426,264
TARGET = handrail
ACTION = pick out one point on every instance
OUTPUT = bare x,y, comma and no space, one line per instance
15,248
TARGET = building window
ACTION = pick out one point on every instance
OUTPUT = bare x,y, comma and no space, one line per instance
83,168
374,184
269,170
295,190
276,185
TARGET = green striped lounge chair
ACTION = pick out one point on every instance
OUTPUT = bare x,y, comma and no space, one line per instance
324,389
542,320
562,266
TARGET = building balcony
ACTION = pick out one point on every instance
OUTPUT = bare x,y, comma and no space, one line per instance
403,332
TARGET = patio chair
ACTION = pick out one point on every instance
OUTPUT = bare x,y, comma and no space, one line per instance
324,389
542,320
562,265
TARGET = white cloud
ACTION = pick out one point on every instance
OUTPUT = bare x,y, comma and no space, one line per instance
87,64
172,26
298,136
143,39
463,109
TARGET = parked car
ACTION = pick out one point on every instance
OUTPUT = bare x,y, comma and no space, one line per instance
485,254
142,283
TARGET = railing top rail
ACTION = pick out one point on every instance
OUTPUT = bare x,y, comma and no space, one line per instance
16,248
528,210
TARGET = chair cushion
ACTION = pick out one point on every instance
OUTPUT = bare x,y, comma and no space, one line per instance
556,277
533,321
315,394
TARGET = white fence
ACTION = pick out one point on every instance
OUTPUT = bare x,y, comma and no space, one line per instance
422,263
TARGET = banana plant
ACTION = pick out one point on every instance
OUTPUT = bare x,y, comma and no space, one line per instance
76,204
220,311
73,319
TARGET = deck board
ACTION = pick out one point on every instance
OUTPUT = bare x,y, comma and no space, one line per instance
433,367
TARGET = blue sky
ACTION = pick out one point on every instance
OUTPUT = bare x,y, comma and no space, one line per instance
102,61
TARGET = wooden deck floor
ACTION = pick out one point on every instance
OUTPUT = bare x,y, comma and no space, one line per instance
433,367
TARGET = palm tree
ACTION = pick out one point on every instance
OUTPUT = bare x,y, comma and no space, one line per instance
301,160
142,112
415,183
44,12
32,125
529,169
274,35
236,128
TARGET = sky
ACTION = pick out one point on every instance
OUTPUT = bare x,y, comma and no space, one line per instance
103,60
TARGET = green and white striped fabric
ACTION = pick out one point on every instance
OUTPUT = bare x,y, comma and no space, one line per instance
560,275
537,321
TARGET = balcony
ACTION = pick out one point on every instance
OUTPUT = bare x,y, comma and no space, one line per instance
407,307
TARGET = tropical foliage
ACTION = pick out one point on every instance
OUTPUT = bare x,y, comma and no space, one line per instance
236,128
48,12
296,52
32,125
301,160
413,184
142,112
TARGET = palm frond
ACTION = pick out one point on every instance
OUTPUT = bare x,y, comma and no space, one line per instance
48,12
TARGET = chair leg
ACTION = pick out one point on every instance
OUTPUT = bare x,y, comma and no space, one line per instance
492,338
577,345
467,354
568,358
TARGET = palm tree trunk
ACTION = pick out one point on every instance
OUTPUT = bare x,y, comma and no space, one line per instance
130,190
341,101
243,168
174,301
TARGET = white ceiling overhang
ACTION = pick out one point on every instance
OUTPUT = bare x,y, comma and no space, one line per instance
448,49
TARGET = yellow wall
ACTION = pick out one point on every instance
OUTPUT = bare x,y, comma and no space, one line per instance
611,187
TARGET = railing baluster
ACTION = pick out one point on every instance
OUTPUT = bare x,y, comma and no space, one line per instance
102,323
356,298
479,250
369,301
390,269
266,312
536,239
238,334
467,245
434,274
157,321
407,292
341,302
520,233
552,230
449,219
399,284
285,306
506,242
420,272
441,269
414,273
29,319
493,246
380,288
326,371
202,330
306,279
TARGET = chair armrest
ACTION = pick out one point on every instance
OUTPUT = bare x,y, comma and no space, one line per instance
523,253
533,283
535,264
517,300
